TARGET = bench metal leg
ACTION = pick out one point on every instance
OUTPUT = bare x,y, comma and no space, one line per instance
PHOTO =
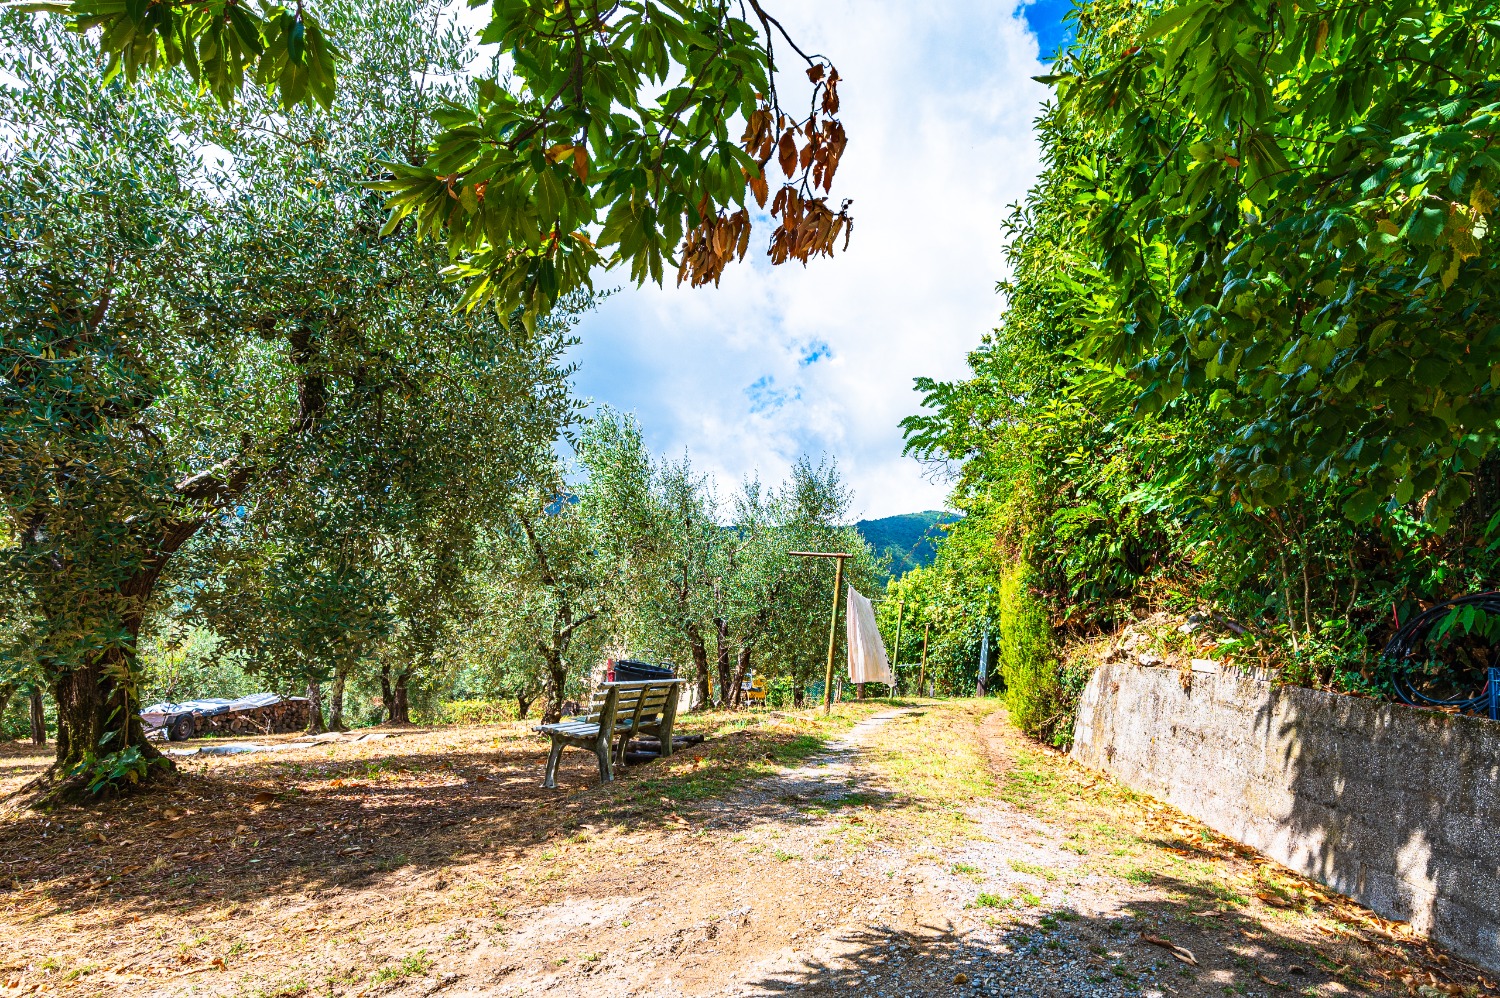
606,766
550,780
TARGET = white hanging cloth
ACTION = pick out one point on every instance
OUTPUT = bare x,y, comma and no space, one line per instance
867,661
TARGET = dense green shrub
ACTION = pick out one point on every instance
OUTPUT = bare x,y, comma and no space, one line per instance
1028,657
474,712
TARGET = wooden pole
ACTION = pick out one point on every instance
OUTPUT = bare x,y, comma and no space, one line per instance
922,672
896,658
833,623
833,629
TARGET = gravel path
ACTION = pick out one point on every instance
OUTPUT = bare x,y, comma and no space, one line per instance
927,936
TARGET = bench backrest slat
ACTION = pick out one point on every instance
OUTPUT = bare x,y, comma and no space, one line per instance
641,701
606,717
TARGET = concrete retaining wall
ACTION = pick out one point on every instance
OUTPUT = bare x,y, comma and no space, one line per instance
1393,806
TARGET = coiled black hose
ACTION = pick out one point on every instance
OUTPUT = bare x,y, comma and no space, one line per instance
1405,643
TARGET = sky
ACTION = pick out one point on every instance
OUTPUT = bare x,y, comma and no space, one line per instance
778,362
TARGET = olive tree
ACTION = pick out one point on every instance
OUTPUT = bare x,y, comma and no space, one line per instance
202,327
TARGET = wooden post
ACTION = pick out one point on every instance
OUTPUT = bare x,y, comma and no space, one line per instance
922,671
833,623
833,629
896,658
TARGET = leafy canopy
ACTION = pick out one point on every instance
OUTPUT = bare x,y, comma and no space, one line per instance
1248,301
1291,202
220,43
607,142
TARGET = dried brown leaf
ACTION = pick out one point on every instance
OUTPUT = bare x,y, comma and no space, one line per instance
787,153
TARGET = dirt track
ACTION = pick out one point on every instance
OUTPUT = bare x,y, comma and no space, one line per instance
782,912
921,851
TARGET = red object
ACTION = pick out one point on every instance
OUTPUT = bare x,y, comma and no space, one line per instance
609,671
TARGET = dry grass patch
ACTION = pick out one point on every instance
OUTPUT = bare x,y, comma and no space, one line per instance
934,761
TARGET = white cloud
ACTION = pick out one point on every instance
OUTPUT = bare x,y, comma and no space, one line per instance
780,361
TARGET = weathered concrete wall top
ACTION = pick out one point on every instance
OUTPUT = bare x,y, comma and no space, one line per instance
1393,806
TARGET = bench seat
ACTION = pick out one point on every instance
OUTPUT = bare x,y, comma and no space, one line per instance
616,709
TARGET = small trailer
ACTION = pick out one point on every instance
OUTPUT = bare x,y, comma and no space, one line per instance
258,713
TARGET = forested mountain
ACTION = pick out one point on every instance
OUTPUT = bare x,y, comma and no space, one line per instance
910,538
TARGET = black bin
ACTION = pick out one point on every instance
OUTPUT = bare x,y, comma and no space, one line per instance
630,671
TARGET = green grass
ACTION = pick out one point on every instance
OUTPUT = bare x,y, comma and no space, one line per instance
1033,869
987,900
935,764
1032,780
416,963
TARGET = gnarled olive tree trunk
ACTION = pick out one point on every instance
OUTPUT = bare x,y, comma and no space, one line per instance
336,700
38,716
524,700
725,690
741,670
564,623
314,694
393,694
97,709
700,665
557,682
98,715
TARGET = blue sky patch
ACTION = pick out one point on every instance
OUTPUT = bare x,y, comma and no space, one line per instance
765,396
1045,19
813,352
683,360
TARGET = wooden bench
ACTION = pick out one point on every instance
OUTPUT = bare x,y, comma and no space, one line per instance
616,709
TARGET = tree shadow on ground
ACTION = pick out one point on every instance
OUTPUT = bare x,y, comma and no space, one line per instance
275,825
21,762
1189,943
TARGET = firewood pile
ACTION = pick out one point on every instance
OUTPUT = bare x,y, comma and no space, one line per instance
648,749
272,719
